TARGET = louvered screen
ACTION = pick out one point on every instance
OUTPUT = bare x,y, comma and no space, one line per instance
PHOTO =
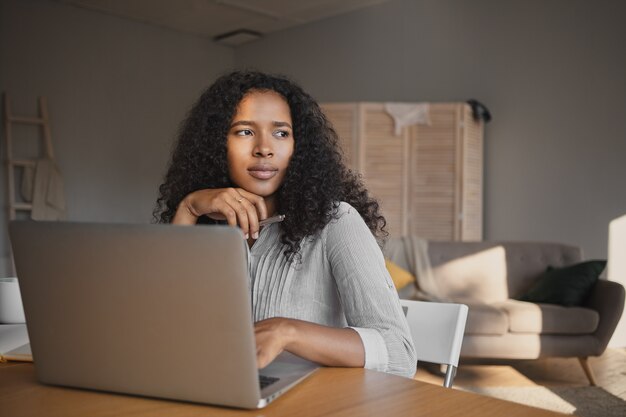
472,227
428,180
382,156
433,175
343,117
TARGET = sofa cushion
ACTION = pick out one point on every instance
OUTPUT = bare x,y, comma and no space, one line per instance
400,276
567,286
525,317
485,319
526,261
479,275
395,250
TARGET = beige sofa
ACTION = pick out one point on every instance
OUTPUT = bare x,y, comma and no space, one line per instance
489,276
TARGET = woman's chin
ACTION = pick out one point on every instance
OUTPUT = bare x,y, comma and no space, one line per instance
261,191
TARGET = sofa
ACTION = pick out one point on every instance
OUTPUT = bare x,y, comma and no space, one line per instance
490,277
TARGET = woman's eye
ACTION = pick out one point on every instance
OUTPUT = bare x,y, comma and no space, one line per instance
244,132
282,133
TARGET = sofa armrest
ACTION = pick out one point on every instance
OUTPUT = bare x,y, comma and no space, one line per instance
607,298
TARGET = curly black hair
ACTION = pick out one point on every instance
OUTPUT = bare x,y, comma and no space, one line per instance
316,179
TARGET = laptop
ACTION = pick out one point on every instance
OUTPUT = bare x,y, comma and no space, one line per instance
152,310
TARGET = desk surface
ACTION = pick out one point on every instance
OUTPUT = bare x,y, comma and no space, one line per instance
328,392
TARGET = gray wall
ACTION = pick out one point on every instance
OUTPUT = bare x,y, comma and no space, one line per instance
552,73
117,91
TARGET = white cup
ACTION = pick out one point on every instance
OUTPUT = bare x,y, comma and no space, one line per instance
11,310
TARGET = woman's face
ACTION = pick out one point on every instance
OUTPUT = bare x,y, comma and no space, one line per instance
260,143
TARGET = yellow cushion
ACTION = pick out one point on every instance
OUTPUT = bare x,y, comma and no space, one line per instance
400,276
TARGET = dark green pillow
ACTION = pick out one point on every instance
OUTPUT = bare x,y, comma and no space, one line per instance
568,286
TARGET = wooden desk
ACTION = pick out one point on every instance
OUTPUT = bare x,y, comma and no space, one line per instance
329,392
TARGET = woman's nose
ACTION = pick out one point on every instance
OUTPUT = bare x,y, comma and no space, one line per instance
263,147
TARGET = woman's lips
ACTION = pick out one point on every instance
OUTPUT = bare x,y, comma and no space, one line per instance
263,173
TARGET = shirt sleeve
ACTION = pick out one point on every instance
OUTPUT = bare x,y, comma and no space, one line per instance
368,296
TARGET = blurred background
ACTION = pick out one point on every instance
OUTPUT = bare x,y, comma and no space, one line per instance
120,76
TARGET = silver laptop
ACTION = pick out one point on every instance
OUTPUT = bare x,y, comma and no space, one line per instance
153,310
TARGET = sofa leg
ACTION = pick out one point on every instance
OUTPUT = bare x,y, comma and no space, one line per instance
588,371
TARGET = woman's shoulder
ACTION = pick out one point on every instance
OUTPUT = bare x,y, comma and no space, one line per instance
344,216
347,227
343,208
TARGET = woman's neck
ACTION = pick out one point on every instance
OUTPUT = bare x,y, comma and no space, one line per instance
270,204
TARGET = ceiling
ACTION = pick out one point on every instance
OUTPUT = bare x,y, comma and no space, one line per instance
212,18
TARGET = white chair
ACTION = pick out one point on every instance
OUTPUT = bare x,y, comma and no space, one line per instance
437,332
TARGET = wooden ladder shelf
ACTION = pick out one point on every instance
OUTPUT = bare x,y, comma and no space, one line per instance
11,162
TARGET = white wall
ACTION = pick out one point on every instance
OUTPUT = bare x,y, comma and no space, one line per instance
117,91
553,73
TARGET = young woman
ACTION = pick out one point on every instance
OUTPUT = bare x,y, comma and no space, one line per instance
254,146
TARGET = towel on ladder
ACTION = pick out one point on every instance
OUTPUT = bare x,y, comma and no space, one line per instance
45,190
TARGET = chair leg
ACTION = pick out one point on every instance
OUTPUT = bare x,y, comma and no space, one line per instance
450,374
588,371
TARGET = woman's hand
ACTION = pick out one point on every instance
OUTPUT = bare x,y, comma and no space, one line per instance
272,336
235,205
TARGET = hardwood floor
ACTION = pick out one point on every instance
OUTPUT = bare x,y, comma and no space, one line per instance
609,369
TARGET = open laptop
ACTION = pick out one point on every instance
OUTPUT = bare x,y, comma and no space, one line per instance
153,310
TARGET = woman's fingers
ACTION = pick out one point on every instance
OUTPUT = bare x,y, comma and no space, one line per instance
256,210
257,201
246,213
253,219
244,216
269,343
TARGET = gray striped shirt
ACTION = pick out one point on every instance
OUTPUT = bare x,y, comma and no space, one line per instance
341,281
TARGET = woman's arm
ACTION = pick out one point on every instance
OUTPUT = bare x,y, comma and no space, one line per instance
235,205
322,344
368,297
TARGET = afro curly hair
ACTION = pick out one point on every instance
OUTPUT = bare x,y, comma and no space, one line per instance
316,180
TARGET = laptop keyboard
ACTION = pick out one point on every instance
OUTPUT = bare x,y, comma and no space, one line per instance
264,381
